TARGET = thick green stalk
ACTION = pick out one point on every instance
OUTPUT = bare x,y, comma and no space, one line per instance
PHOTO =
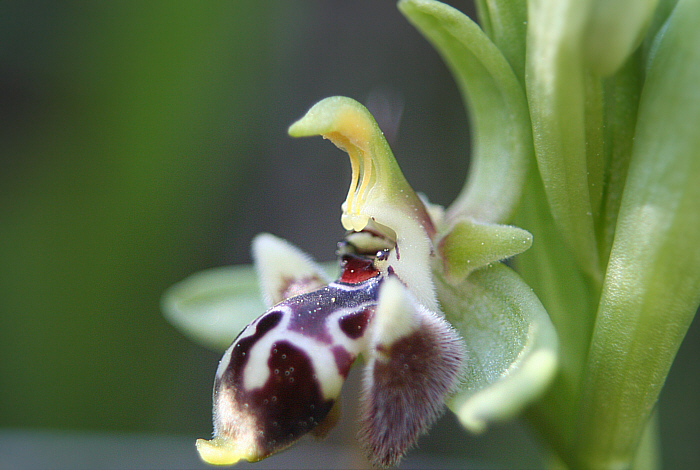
570,299
652,285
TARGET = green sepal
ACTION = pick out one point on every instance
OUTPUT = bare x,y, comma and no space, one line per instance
470,245
495,101
511,344
212,306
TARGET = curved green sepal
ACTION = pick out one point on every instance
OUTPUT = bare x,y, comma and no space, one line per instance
496,103
511,345
211,307
471,245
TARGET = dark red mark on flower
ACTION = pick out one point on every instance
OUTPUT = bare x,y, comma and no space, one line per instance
267,322
357,269
354,324
241,348
290,403
343,360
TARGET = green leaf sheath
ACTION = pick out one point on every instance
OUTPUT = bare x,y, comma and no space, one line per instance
497,106
511,343
576,115
622,92
652,286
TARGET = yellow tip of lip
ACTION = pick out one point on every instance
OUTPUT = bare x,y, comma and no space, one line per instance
219,451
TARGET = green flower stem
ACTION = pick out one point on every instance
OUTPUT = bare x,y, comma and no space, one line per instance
594,109
658,20
652,286
496,103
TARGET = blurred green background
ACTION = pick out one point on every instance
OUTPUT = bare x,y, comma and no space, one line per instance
143,141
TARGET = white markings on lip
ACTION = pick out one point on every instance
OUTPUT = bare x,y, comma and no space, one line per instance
353,346
256,371
320,354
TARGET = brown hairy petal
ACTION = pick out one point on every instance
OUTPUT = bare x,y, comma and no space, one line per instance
405,385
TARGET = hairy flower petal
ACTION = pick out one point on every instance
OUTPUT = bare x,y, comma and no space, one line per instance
416,360
282,375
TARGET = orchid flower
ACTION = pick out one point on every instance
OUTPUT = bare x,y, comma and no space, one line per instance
281,376
585,116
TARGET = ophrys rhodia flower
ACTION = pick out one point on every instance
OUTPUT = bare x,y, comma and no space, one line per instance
283,373
281,376
584,121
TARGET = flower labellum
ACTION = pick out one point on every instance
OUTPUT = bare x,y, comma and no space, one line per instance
281,376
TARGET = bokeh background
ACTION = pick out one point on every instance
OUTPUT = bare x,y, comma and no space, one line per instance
143,141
